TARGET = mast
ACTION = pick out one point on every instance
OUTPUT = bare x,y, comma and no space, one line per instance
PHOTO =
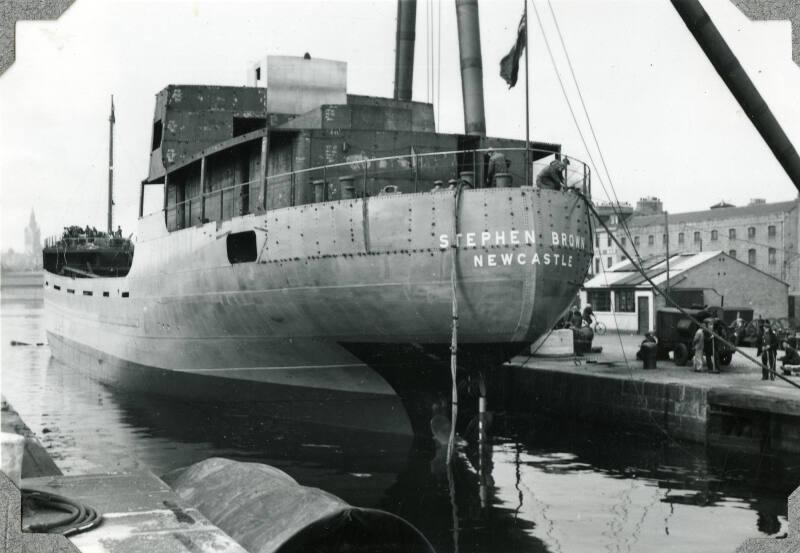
469,48
404,49
111,166
744,91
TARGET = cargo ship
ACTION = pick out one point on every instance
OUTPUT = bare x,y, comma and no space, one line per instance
311,245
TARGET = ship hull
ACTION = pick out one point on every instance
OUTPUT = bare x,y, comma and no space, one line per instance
333,296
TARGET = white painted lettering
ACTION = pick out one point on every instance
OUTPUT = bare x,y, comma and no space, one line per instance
547,259
514,237
535,260
530,238
444,243
485,237
507,258
563,238
521,258
570,261
470,239
555,238
571,240
477,261
492,262
555,258
500,237
458,239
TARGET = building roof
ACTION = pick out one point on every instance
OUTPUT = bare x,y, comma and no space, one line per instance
624,274
716,213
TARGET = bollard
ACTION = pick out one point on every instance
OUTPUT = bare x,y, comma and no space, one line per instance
346,187
503,180
468,177
319,191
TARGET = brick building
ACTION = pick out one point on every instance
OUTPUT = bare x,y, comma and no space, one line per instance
763,235
624,300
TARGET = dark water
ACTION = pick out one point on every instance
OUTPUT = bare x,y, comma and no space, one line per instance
540,485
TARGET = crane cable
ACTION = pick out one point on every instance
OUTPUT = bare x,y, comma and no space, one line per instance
681,309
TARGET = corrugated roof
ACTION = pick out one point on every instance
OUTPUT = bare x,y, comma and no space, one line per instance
711,214
623,274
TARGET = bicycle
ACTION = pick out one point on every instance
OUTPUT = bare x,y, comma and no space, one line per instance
598,327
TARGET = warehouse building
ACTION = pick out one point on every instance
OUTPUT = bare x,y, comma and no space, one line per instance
763,235
624,300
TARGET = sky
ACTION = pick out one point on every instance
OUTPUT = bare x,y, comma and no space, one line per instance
666,124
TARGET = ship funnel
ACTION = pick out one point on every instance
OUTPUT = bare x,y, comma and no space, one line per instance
404,49
469,47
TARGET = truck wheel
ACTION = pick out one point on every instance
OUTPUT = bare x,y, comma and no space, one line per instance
725,358
680,354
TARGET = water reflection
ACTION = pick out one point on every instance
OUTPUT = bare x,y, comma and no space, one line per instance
535,486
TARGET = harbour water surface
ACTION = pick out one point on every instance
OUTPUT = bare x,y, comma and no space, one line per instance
539,486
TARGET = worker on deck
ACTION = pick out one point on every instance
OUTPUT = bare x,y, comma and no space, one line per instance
118,233
552,176
575,318
497,164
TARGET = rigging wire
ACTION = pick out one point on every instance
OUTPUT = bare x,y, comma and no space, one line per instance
575,119
439,61
614,203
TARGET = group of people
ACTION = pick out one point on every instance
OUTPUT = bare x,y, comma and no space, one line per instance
706,345
577,319
551,177
75,231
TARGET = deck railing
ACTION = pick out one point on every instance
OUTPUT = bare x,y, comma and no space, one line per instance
365,177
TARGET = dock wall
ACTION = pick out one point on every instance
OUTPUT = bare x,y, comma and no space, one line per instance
680,409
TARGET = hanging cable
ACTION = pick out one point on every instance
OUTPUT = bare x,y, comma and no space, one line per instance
454,328
678,307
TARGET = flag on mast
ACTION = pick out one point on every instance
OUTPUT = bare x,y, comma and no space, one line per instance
509,65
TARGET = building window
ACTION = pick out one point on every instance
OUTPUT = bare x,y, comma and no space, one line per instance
772,253
732,234
696,237
608,241
732,253
597,240
636,240
714,235
751,232
157,134
680,238
624,301
609,262
622,240
650,240
751,256
597,265
600,299
664,238
771,231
